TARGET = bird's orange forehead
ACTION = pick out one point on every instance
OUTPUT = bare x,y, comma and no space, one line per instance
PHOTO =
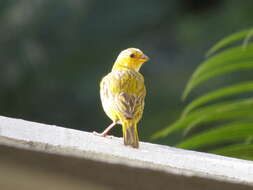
132,50
131,58
137,52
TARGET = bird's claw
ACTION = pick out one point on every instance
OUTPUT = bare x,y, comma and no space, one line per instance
102,135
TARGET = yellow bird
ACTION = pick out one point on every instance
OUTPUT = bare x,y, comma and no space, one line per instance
122,93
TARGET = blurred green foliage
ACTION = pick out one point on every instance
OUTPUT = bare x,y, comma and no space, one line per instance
224,116
54,53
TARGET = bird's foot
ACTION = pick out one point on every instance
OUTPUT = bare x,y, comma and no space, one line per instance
102,135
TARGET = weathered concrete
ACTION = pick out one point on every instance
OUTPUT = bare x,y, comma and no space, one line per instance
42,152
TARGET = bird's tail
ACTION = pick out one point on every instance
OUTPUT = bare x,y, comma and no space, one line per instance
130,134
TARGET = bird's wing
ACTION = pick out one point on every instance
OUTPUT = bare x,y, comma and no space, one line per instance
126,92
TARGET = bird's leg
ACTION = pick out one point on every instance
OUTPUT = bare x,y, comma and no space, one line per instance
104,133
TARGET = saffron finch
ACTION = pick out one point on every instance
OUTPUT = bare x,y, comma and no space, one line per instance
122,93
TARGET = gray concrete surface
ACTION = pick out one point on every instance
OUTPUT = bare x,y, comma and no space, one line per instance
84,160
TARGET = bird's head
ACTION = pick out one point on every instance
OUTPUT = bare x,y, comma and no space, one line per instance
131,58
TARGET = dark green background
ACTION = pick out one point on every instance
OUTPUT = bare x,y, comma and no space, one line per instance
54,53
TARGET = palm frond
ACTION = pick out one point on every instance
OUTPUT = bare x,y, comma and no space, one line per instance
217,94
218,135
243,151
223,121
229,40
220,111
211,67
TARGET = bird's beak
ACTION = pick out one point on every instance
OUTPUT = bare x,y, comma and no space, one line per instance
144,58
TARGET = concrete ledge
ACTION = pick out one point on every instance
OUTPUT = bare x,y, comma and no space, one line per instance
80,159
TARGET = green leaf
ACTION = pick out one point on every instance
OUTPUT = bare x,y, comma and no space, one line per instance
247,38
220,71
216,63
222,134
243,151
235,114
229,40
225,110
217,94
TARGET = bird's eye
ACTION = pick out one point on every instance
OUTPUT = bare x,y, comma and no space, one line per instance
132,55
